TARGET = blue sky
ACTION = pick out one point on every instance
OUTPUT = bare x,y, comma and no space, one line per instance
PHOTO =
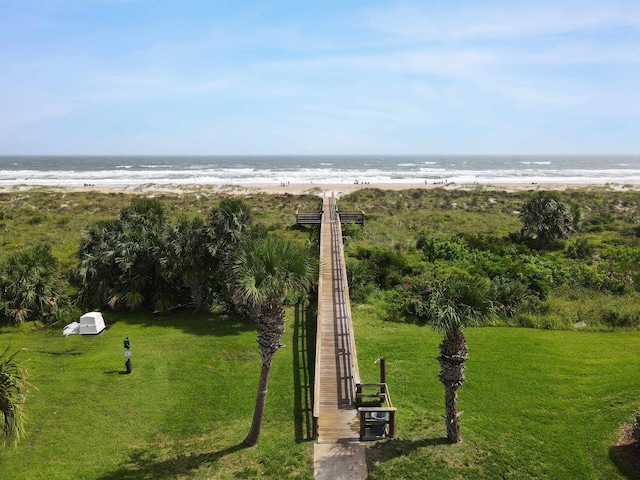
319,77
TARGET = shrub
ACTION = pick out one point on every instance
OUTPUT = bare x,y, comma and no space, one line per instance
386,267
509,296
621,319
360,280
580,249
29,287
410,300
35,220
454,249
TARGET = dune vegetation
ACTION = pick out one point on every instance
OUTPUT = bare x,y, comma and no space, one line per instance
552,375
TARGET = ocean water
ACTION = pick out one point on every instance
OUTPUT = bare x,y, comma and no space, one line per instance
274,170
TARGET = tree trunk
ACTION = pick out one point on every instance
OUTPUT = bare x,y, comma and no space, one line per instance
453,353
451,406
270,331
261,400
196,289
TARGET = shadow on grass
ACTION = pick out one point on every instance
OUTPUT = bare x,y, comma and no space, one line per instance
627,459
303,370
217,325
58,353
114,372
143,467
393,448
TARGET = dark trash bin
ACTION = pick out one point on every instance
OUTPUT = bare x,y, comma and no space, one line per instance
379,429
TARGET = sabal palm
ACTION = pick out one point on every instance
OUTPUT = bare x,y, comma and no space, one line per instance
28,285
13,390
185,259
547,217
264,272
228,226
119,263
456,302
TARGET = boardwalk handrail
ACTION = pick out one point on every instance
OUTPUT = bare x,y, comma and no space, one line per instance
313,218
351,216
355,370
316,380
369,421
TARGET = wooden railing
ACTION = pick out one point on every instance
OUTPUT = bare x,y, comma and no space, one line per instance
315,218
380,421
378,415
316,380
306,218
355,370
351,216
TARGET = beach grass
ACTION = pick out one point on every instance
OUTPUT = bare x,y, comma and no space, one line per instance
57,216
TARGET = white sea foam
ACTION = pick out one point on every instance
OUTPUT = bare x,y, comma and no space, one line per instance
124,171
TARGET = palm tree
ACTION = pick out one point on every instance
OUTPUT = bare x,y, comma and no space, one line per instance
456,302
264,272
29,288
119,263
186,261
229,227
13,391
548,217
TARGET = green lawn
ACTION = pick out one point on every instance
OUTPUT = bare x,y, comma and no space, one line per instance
538,404
181,413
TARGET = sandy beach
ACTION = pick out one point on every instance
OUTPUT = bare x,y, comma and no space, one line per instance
337,189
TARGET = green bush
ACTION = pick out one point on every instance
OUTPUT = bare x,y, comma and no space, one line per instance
621,319
410,300
454,249
360,280
29,287
511,296
35,220
580,249
386,267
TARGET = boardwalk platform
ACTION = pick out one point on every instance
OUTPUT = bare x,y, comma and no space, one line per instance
339,453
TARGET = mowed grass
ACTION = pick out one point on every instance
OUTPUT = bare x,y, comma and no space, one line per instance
182,413
537,403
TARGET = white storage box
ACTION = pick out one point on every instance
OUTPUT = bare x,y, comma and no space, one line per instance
91,323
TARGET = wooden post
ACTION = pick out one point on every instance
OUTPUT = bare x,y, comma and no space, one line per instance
383,372
392,424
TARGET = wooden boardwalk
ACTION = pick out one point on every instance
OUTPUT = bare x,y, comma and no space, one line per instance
339,453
